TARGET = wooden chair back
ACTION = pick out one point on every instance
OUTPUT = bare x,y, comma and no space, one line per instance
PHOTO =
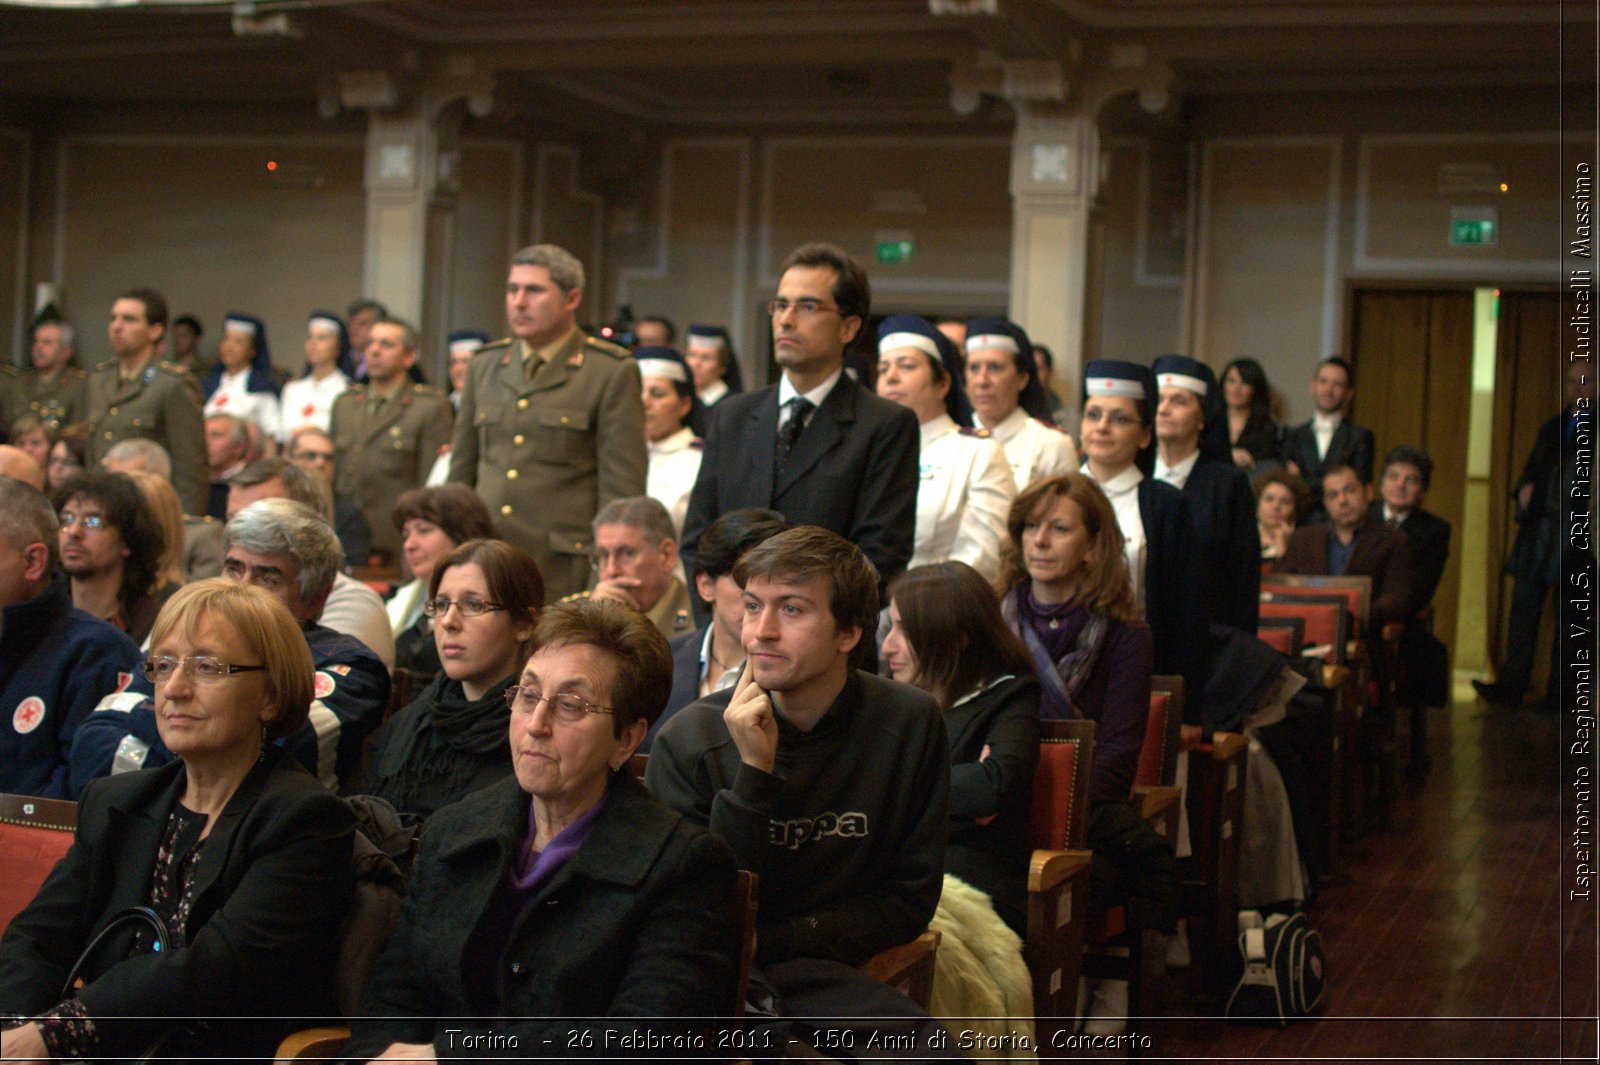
746,898
1284,635
1060,818
1325,619
1158,756
1356,592
34,834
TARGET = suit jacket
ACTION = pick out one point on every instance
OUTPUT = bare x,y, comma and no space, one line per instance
162,404
1430,549
270,889
1351,446
685,678
636,924
854,470
388,452
1378,553
1173,607
1224,512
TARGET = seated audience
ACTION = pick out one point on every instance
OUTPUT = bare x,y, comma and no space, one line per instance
202,535
643,931
352,608
241,383
672,417
311,449
308,399
484,598
162,499
965,484
708,350
55,661
243,857
948,638
1402,490
287,549
433,522
1352,543
227,452
111,548
710,658
68,456
1254,438
1007,399
636,563
1328,439
30,433
16,464
1282,500
831,783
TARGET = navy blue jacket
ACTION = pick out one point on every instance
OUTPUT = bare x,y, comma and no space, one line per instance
685,679
56,663
352,689
1172,587
1224,513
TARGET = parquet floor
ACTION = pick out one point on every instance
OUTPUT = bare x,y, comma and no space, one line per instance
1449,935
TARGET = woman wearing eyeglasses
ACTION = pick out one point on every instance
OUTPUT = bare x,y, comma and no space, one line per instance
546,904
238,851
483,598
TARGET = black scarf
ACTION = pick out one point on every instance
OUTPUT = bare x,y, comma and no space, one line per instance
454,742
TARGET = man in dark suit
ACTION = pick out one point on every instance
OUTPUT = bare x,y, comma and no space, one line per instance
1352,544
1328,440
817,447
1221,503
710,658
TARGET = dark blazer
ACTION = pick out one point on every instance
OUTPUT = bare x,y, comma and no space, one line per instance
1383,555
854,470
270,889
1223,509
1430,549
636,924
1173,607
685,679
1351,446
1263,439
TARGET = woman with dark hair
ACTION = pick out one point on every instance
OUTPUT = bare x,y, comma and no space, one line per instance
111,547
1252,434
1008,400
68,456
485,597
1282,499
308,400
673,422
238,858
948,638
241,382
709,352
432,522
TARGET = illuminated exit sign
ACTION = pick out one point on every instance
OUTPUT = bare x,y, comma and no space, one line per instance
1472,227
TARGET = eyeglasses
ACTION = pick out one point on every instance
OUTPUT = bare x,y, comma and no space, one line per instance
469,608
804,307
90,521
205,668
565,707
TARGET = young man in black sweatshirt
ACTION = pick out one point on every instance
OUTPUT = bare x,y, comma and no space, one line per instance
829,783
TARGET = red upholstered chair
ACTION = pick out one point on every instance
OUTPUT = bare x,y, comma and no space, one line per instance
1284,635
34,834
1058,875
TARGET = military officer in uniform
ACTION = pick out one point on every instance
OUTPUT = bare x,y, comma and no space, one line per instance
1008,400
387,432
139,396
54,388
964,483
636,564
551,426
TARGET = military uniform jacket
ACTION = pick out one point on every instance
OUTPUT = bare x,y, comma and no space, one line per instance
388,452
1034,448
161,403
546,452
57,400
964,491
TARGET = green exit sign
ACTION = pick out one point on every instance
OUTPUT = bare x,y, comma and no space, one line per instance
1470,228
894,251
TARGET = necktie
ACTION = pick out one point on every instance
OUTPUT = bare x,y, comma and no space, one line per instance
1392,524
800,409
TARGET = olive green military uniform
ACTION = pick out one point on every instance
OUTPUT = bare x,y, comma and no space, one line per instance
57,400
672,615
160,403
548,445
383,447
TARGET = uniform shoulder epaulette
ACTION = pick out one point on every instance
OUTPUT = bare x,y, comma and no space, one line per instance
574,597
606,347
973,430
172,368
200,519
8,370
75,372
494,345
427,390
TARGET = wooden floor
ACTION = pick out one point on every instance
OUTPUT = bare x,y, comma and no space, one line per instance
1448,936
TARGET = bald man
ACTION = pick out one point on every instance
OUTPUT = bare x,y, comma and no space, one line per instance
18,465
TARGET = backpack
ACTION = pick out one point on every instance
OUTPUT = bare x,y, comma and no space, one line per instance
1283,968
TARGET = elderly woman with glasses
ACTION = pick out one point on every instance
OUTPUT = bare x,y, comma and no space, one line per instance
483,599
548,903
235,857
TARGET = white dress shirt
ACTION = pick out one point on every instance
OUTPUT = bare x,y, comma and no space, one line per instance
1177,476
1123,492
1323,426
786,392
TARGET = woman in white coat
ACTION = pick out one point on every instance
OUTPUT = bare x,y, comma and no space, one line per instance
1007,399
966,486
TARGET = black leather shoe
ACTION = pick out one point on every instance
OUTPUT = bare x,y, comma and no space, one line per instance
1496,694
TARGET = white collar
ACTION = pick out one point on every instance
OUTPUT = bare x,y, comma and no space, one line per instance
1390,514
1326,421
786,390
937,427
1179,473
240,378
1122,483
1009,426
716,391
673,442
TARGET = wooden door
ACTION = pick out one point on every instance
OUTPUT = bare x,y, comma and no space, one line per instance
1412,352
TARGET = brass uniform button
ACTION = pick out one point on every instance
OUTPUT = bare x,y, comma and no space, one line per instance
564,420
511,475
518,439
113,410
505,508
522,404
